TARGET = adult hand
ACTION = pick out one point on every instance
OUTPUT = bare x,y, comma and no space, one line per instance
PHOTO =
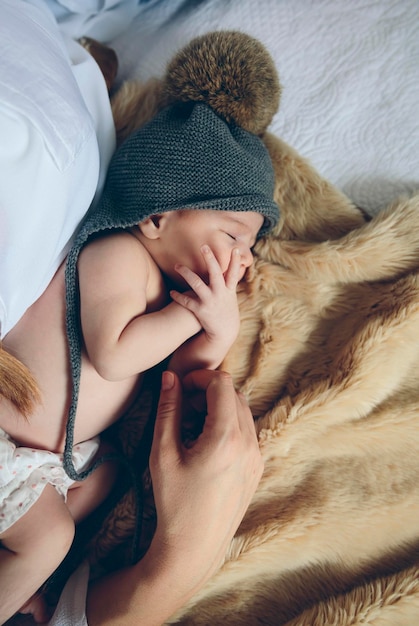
202,490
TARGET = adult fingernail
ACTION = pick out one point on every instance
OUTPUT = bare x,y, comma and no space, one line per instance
167,380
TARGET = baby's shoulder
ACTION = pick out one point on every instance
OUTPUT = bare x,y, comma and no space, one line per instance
115,260
118,247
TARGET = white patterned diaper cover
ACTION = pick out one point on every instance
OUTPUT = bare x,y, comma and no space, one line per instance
24,472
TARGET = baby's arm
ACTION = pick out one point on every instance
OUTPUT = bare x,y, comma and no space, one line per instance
126,329
215,306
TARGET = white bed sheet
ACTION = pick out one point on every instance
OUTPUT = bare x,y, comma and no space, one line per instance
349,71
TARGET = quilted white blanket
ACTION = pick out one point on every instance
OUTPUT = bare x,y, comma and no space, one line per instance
349,71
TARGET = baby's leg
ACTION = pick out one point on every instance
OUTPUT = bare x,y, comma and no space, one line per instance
85,496
32,549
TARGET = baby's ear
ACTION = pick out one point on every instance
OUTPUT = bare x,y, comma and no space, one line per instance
152,226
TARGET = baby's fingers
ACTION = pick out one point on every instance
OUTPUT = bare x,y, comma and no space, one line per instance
215,275
233,273
186,300
194,281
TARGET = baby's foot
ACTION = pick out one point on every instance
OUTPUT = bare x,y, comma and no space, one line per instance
104,56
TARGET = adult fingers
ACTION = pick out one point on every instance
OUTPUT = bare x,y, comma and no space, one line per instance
198,380
224,405
168,418
197,383
245,416
221,401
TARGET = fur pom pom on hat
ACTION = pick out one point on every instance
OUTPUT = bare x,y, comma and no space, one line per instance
230,71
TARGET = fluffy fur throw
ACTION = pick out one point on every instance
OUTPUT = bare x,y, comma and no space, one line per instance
327,358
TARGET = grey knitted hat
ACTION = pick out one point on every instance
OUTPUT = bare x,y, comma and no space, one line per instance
187,157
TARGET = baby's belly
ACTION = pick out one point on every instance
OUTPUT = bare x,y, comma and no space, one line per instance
101,402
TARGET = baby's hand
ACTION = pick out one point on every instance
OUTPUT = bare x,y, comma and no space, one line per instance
215,305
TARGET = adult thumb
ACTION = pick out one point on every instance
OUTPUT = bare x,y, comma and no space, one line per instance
168,418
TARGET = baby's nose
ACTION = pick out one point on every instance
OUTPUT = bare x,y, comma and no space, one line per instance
246,257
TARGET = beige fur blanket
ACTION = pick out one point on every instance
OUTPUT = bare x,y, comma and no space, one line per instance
327,356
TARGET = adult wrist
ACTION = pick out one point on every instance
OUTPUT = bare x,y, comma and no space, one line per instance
167,567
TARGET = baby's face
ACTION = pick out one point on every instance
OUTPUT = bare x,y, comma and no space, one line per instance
222,231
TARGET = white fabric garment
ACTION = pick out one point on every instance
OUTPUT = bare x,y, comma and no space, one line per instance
57,137
71,609
24,473
100,19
